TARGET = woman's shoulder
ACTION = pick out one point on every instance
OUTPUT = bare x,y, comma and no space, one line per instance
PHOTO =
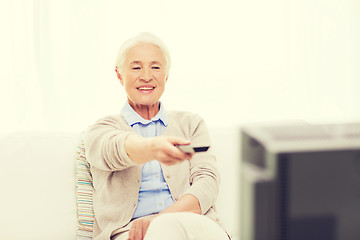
188,125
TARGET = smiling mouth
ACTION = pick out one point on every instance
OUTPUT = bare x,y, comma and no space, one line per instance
145,88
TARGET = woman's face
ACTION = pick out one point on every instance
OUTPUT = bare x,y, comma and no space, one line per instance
144,74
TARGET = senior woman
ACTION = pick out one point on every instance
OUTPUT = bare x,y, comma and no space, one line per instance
145,187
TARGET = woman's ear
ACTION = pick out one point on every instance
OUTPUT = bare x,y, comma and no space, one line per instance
118,75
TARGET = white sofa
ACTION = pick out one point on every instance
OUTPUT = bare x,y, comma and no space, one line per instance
38,183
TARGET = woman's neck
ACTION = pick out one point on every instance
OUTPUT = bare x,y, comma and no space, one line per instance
145,111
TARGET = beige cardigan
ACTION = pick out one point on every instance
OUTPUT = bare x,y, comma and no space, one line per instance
116,179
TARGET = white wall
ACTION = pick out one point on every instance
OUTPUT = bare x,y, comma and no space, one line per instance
234,61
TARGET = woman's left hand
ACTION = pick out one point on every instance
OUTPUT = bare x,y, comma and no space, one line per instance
139,227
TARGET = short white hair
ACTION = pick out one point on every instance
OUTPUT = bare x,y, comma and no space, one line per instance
141,38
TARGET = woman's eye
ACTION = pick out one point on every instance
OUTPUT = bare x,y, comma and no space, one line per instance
155,67
136,68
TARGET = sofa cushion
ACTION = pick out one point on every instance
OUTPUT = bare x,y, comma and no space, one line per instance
84,194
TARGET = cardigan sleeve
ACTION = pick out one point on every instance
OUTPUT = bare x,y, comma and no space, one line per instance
204,177
104,144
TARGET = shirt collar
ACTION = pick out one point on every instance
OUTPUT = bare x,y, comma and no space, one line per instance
132,117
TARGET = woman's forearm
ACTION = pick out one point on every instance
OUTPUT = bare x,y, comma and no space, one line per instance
136,147
187,203
141,150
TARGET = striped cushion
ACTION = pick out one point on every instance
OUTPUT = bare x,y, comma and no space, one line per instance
84,195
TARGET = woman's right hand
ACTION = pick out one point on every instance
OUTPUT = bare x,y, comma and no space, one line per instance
161,148
165,151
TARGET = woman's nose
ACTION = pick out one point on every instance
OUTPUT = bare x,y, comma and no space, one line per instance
146,74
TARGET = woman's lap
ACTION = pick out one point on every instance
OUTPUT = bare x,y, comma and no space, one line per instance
185,226
181,226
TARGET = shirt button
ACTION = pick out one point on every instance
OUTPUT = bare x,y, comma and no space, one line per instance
167,176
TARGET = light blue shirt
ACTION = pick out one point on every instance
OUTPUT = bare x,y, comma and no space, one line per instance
154,193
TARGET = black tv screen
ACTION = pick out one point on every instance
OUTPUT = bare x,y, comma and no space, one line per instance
300,182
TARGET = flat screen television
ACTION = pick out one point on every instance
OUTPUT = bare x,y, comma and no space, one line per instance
300,181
